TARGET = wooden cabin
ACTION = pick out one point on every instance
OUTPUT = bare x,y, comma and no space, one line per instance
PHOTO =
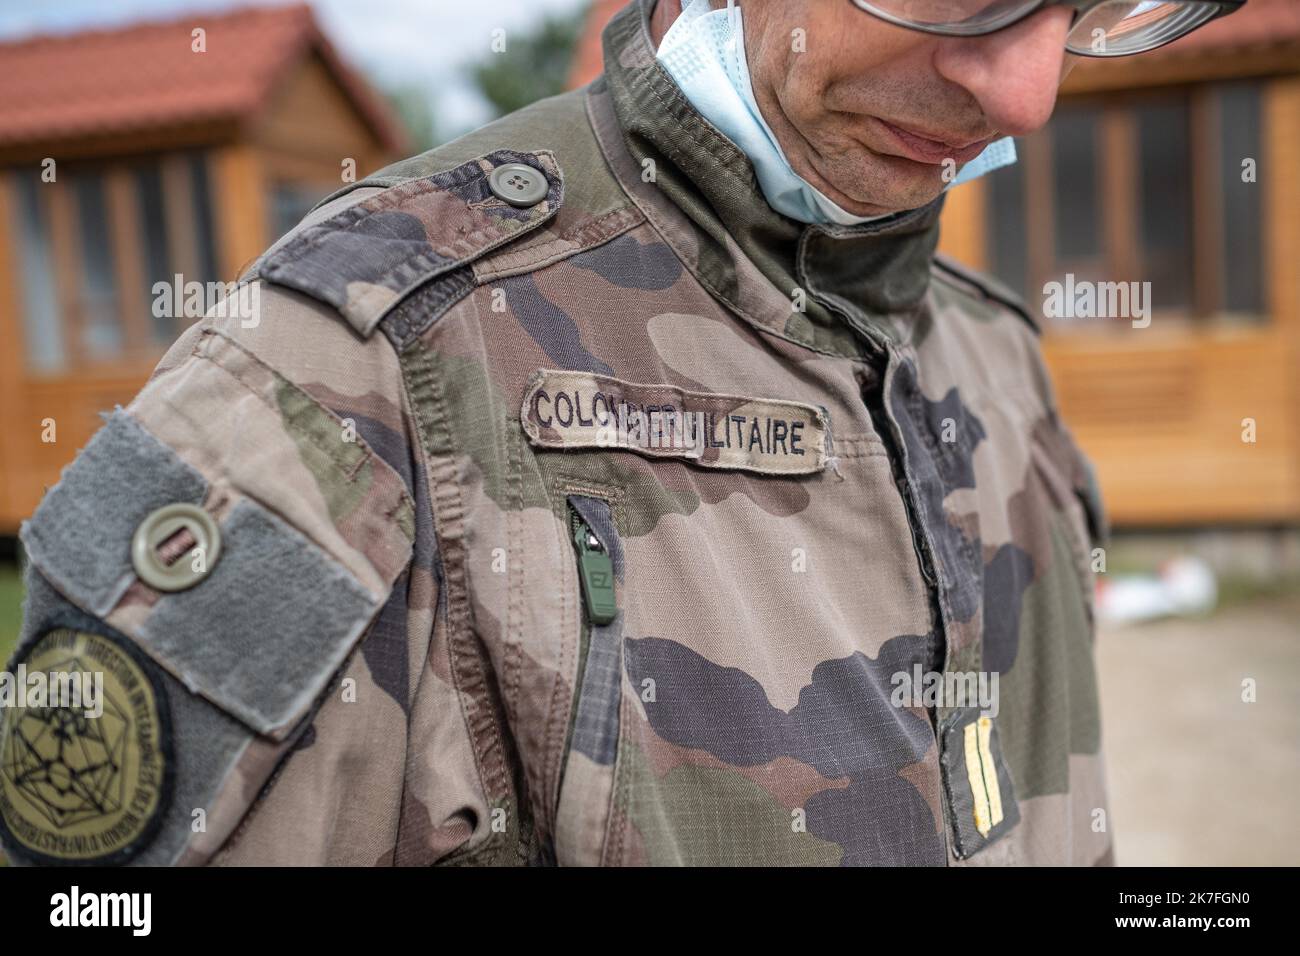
130,156
1179,167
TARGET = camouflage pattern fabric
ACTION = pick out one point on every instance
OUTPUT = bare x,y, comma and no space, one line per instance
741,705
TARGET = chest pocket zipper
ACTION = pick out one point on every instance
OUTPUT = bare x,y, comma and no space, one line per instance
586,784
595,569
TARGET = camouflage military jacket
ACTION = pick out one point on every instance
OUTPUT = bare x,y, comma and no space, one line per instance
589,512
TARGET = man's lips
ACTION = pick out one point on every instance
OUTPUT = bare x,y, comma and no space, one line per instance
923,149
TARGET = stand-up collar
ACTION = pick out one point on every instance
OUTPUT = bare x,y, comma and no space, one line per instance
861,275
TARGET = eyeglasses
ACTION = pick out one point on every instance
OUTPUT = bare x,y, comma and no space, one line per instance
1100,27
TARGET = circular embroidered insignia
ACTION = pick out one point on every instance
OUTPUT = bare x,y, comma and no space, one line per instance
85,751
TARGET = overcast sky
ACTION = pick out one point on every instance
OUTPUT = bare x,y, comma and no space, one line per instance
394,41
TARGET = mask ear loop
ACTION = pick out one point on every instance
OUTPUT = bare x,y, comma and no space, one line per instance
733,18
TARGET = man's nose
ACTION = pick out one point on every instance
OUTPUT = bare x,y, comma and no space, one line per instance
1014,73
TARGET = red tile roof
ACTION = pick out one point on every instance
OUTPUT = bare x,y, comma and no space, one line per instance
1259,23
145,77
589,59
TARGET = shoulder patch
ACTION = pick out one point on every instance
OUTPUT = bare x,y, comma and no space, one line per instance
86,768
984,286
367,258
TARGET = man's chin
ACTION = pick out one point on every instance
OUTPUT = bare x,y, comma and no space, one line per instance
865,180
892,200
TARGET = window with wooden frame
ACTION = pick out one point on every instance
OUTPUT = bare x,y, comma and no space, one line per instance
291,201
1156,186
95,245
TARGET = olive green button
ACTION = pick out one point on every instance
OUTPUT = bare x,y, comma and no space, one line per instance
518,185
188,560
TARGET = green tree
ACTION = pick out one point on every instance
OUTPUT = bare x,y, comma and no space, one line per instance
533,65
414,107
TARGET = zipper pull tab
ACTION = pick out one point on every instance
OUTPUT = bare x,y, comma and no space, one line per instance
596,569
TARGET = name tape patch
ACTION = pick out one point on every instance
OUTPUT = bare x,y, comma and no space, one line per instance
568,410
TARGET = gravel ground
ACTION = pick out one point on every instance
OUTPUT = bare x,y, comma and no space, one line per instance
1198,777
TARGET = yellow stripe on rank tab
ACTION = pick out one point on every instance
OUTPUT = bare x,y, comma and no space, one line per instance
983,775
975,774
990,771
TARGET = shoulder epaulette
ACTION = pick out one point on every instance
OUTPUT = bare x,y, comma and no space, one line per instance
370,256
985,286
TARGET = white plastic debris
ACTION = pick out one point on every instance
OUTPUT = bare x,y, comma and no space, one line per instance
1182,587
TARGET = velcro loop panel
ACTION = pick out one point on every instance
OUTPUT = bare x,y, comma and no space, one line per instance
260,636
263,633
122,475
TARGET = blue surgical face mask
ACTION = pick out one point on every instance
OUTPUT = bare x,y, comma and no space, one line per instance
704,52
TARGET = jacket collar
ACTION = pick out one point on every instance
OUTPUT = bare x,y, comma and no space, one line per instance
855,280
